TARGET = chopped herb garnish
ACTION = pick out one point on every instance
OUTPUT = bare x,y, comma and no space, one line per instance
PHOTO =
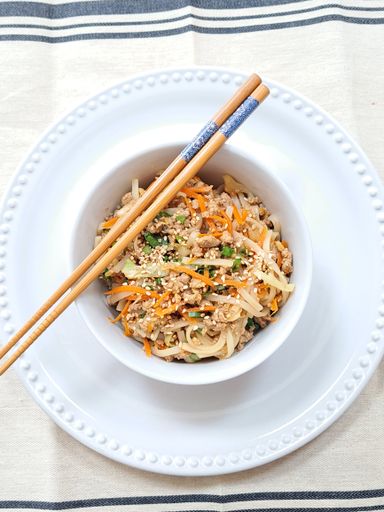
181,218
142,315
243,251
151,239
212,272
227,251
147,249
179,238
236,264
253,326
250,323
163,214
194,314
158,280
154,240
166,257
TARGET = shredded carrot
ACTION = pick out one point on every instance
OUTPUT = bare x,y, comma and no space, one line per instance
109,223
274,306
189,206
285,243
262,236
235,284
236,214
127,330
206,272
147,348
240,216
162,298
150,327
188,318
192,273
133,289
121,314
201,200
216,234
166,311
210,222
202,309
218,218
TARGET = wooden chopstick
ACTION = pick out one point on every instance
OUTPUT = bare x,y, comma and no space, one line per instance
167,194
150,194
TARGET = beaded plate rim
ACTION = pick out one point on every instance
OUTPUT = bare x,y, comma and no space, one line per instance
293,436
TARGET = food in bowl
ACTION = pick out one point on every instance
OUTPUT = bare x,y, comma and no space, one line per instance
204,277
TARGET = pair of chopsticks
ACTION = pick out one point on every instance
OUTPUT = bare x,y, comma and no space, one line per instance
161,191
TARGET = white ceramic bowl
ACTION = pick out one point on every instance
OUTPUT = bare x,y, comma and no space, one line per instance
101,196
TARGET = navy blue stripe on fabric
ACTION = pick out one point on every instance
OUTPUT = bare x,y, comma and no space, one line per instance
37,505
186,16
91,8
192,28
208,498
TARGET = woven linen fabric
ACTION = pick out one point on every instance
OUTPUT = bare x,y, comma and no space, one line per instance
52,57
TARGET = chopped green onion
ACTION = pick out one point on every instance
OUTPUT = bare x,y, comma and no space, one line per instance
151,240
194,314
154,240
147,249
250,323
181,218
158,280
211,272
163,214
253,326
179,238
236,264
227,251
166,257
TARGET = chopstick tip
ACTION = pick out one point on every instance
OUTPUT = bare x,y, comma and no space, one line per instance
261,93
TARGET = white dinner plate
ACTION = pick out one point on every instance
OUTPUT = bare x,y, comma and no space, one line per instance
244,422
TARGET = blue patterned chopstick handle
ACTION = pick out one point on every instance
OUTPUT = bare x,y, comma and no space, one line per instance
239,116
199,141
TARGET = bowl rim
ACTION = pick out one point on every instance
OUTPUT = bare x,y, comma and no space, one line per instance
232,370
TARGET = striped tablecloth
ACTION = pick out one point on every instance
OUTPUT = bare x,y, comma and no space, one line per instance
52,56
